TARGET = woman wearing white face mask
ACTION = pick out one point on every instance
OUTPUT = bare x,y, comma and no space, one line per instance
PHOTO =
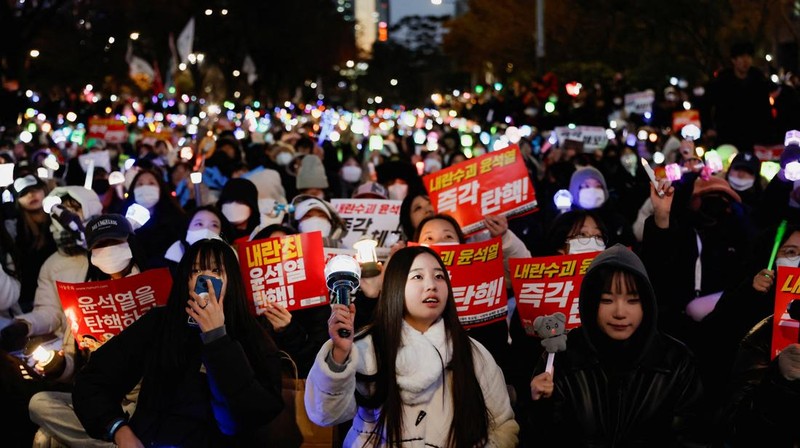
113,248
238,203
589,192
574,232
204,223
166,216
313,214
398,190
350,175
577,232
745,178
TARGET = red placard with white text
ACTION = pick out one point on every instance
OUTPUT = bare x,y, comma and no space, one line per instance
548,285
785,329
768,153
97,311
288,270
111,130
683,118
478,279
496,183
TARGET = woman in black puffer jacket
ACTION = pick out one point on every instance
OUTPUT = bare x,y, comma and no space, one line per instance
620,381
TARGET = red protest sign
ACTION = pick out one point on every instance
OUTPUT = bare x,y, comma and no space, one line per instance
683,118
547,285
288,270
785,329
477,276
494,183
768,153
97,311
109,129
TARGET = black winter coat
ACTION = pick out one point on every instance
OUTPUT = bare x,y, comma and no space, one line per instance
182,415
653,405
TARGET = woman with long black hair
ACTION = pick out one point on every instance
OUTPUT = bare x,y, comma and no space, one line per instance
398,379
210,375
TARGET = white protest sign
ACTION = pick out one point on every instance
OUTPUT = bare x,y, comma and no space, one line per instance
378,219
101,159
593,137
640,102
6,174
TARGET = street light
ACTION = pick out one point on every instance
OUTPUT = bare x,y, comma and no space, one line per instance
134,36
34,53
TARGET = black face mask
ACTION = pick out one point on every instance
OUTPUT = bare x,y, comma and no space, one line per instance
100,186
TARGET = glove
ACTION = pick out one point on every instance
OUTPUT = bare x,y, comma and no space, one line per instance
14,336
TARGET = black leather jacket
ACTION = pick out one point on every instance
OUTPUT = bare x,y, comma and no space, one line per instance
655,404
642,392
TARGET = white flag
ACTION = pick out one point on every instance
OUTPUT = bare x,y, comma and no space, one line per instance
138,67
249,67
186,40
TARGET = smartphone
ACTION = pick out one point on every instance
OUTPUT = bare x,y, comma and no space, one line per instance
201,288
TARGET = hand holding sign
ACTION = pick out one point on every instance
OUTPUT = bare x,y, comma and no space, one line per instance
496,224
278,316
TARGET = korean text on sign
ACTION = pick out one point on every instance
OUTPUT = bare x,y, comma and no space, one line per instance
285,270
495,183
97,311
375,218
548,285
477,275
785,329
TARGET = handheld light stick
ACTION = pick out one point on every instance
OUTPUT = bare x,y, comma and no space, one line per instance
652,175
365,248
89,175
778,237
116,179
196,178
342,275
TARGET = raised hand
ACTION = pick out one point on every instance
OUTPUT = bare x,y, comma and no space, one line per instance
207,311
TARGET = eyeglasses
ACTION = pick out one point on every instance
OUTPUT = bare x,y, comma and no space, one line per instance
789,251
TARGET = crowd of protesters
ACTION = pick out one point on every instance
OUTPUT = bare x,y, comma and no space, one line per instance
676,311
